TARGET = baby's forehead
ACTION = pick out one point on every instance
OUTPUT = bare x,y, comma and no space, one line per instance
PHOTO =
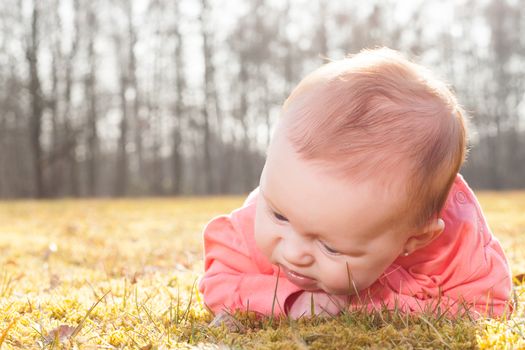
312,193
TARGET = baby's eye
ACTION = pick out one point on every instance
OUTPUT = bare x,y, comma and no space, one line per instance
279,217
330,250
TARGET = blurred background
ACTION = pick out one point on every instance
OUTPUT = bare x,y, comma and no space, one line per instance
166,97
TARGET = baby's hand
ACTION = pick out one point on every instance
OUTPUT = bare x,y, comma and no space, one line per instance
320,303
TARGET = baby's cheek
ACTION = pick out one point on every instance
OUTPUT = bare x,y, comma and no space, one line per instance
259,239
263,239
334,278
353,278
365,278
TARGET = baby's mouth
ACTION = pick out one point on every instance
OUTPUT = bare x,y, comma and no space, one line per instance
299,280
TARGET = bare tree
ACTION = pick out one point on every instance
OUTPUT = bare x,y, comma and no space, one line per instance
36,100
70,140
90,83
321,35
209,93
54,103
502,18
121,172
179,105
154,100
68,126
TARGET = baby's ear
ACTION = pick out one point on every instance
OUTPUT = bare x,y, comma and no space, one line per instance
424,236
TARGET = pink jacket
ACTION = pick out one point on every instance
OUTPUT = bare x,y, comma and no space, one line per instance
464,264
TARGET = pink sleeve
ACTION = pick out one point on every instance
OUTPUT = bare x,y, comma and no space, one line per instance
412,296
232,279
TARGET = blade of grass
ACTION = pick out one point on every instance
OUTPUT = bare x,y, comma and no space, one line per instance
186,312
312,305
351,283
4,333
81,323
150,318
170,317
137,307
435,331
178,306
275,294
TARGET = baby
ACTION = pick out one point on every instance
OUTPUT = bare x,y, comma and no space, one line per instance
360,204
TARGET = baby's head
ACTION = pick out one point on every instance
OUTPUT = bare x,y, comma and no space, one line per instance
358,170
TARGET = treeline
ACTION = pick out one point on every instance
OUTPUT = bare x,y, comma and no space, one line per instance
166,97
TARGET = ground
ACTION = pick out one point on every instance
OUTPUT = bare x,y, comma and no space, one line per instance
114,274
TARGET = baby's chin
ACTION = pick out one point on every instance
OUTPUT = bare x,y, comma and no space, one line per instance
334,291
314,289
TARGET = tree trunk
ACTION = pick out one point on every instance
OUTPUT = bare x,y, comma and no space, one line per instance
91,97
121,179
243,114
135,117
54,166
180,84
35,93
208,72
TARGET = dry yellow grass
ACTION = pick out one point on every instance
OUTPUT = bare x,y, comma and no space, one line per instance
140,259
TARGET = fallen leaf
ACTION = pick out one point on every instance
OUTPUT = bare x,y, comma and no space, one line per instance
11,262
72,229
519,278
59,334
134,278
54,281
229,321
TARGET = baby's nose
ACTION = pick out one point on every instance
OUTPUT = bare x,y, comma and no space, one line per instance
297,253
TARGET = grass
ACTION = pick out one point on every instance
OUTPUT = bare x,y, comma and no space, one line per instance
121,274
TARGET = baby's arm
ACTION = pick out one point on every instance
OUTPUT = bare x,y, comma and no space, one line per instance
233,280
